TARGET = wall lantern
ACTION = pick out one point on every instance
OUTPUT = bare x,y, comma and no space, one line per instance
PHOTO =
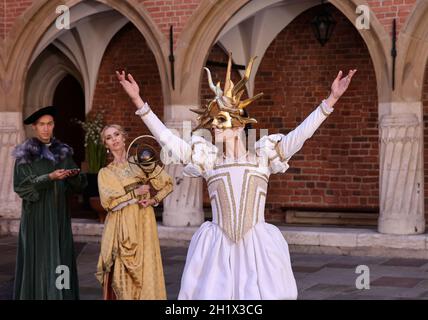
323,24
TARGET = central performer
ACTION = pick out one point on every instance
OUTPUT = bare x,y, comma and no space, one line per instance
237,255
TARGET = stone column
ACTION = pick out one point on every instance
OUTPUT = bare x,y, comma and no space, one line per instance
401,175
11,134
184,206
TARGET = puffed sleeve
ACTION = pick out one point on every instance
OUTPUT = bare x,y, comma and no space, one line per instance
28,185
270,155
112,194
276,150
163,185
202,159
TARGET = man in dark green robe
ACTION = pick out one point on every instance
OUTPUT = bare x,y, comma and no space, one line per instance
46,262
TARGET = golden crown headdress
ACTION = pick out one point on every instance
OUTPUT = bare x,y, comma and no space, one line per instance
226,110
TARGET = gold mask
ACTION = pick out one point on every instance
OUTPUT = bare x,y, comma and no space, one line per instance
226,110
222,120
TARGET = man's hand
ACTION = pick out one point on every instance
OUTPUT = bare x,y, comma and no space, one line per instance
73,172
339,86
59,174
145,188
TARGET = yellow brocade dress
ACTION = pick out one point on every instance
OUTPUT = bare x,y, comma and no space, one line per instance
130,260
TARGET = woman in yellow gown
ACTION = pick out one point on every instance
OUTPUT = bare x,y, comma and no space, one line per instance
130,264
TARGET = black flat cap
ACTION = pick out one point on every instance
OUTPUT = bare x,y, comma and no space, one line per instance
51,110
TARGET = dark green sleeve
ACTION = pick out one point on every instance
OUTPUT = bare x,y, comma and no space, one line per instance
27,185
76,183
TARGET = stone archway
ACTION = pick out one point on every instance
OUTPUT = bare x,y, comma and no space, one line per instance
17,54
337,170
402,130
91,29
398,215
127,49
413,44
203,28
24,38
224,22
47,71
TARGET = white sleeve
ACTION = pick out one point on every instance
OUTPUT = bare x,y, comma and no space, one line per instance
294,140
177,146
204,155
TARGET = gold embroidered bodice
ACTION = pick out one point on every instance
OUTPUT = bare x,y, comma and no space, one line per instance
238,194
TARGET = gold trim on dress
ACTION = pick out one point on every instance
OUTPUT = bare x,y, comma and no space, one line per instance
258,204
251,183
219,182
279,151
230,165
235,223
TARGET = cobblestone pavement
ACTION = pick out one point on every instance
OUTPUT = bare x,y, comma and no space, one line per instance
318,276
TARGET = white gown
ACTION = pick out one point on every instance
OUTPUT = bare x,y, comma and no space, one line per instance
238,255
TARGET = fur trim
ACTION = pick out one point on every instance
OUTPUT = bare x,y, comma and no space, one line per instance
33,149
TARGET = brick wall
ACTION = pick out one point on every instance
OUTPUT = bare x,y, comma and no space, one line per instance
387,10
171,12
338,167
129,51
10,10
163,12
2,20
178,12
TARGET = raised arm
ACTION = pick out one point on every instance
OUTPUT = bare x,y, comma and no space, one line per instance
294,140
163,135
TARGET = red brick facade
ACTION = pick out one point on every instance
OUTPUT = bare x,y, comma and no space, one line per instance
338,167
10,10
129,51
387,10
178,12
171,12
2,18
